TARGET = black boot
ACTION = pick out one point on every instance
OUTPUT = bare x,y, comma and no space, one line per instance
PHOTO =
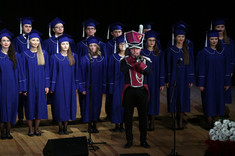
121,128
95,130
116,129
128,144
3,135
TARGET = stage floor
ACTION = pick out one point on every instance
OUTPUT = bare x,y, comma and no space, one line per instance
189,142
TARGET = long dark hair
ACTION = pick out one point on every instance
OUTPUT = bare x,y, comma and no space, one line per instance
186,52
218,46
11,54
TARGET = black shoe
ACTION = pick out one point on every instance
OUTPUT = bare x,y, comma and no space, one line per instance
31,134
95,130
37,133
3,136
144,144
9,136
128,144
65,131
61,132
19,122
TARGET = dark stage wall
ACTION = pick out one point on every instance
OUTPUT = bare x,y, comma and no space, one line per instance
130,13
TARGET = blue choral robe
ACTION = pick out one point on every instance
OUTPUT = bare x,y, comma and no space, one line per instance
98,67
20,43
230,50
116,82
181,98
64,82
213,74
37,79
11,83
155,80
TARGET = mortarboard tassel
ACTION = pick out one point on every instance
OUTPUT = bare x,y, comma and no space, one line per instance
108,33
20,26
28,42
83,31
172,39
115,46
57,46
50,31
206,41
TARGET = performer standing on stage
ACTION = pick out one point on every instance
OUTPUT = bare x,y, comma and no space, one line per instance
11,81
64,83
20,45
175,54
213,77
36,70
115,84
156,81
228,43
111,48
135,92
89,27
92,74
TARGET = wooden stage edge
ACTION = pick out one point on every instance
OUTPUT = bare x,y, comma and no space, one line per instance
189,142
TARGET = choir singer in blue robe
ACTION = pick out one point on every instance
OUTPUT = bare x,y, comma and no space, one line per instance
180,58
11,81
92,66
156,81
213,77
64,82
36,70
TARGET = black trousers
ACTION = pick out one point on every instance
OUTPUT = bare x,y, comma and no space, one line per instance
135,97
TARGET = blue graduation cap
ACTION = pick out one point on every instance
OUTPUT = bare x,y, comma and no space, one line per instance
92,39
151,33
89,22
53,23
120,39
33,34
211,33
218,21
25,20
147,25
64,38
114,26
7,33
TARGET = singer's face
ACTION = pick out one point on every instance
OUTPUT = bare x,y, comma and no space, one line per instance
64,46
93,47
180,39
90,31
151,41
135,52
122,46
59,28
213,41
26,28
34,42
5,42
220,27
116,33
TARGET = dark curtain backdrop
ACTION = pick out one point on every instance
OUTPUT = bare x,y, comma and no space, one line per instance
131,13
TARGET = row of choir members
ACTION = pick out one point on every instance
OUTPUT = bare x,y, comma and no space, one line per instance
58,68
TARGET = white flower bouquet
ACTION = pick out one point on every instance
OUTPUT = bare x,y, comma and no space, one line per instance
222,139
